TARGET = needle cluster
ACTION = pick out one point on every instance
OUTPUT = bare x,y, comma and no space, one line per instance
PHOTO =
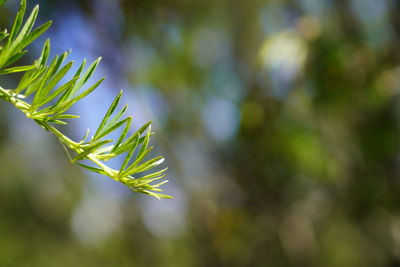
50,98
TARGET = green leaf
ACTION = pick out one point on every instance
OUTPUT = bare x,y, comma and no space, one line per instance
55,93
33,35
3,34
67,116
143,150
40,84
125,145
29,78
90,149
138,182
152,176
55,121
50,82
147,192
15,57
16,69
84,78
62,107
109,112
123,134
132,147
143,167
17,22
12,44
85,137
90,168
19,39
45,53
111,128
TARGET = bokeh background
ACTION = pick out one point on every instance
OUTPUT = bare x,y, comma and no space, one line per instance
279,121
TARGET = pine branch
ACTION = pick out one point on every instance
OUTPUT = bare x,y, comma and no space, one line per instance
50,102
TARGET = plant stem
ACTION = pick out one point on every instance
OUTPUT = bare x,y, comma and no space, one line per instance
76,147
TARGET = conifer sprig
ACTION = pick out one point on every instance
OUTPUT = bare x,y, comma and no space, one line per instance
50,101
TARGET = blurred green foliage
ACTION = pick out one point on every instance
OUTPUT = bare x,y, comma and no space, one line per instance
280,121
